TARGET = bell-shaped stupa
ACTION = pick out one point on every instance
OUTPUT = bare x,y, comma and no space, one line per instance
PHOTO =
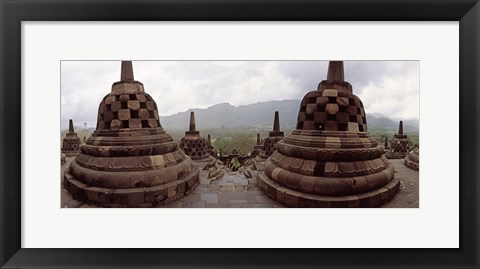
71,142
193,144
385,144
257,148
412,159
329,160
129,161
270,143
198,149
399,147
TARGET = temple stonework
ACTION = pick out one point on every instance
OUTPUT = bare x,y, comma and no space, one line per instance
412,159
192,143
385,146
130,161
399,147
329,160
257,148
270,143
71,142
198,149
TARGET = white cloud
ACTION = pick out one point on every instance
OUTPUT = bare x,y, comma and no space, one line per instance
390,87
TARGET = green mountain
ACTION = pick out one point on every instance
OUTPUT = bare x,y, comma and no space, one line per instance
260,116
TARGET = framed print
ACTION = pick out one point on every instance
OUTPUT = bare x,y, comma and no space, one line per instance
60,58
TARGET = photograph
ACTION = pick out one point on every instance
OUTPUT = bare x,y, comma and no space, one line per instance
240,134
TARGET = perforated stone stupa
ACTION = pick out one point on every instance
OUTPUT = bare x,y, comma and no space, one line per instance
399,147
129,161
385,145
192,143
412,159
257,148
270,143
197,148
329,160
71,142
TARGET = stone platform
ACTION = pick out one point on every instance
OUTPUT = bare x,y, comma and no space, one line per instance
234,190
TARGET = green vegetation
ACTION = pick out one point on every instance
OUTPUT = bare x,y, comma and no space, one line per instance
234,164
413,137
244,139
242,142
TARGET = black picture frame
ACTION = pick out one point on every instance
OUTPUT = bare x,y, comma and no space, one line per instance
13,12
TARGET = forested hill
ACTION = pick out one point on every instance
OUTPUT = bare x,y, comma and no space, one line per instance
260,115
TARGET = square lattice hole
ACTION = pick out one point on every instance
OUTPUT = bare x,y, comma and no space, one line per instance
134,114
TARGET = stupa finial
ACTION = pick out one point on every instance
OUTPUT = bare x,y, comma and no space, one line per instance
276,123
192,122
335,78
127,71
335,71
258,139
209,139
70,127
400,128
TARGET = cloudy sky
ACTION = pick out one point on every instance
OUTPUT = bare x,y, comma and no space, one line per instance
387,87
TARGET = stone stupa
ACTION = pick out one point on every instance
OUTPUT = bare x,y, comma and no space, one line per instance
257,148
193,144
196,147
270,143
399,147
412,159
129,161
329,160
71,142
385,145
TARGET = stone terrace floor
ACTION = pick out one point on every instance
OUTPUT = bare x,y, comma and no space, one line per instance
234,190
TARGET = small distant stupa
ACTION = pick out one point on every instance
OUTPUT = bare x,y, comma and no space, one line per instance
257,148
71,142
329,160
399,147
412,159
385,144
270,143
198,149
129,161
192,143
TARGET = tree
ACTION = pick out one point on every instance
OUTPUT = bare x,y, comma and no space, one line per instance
242,142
